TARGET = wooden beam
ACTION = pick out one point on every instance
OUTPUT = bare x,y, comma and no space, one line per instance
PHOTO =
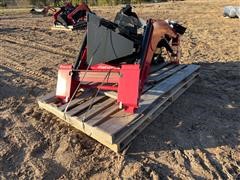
80,98
84,105
96,109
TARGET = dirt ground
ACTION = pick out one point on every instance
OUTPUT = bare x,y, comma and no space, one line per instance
198,137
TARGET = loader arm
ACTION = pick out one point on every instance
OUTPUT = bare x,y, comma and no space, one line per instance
154,33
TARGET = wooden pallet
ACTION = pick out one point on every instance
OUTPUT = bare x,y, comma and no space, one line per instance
62,28
110,125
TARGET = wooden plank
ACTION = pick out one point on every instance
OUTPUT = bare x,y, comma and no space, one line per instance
157,67
74,102
97,109
166,73
167,68
103,115
117,123
163,87
161,77
84,105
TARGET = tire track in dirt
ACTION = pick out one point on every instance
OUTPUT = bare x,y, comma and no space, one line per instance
23,69
188,160
33,57
28,143
59,37
22,29
56,130
36,66
205,165
36,46
152,165
215,165
224,163
27,54
207,162
14,157
11,58
165,169
45,38
21,17
178,160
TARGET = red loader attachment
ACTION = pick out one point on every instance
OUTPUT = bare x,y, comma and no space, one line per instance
126,73
70,15
117,57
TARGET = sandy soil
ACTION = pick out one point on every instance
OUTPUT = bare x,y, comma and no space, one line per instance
196,137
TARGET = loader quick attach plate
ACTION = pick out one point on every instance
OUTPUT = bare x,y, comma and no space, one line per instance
110,125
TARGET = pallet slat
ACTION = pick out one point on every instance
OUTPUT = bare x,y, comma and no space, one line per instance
167,68
158,76
166,73
159,67
97,109
74,102
84,105
102,116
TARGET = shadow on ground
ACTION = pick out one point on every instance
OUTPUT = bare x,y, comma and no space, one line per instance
205,116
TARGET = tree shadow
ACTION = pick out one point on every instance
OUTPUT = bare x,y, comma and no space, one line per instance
14,158
206,116
55,170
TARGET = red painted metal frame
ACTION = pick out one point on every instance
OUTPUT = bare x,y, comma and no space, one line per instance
159,30
127,79
61,10
80,7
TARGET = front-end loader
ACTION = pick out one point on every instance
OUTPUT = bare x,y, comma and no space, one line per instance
126,73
